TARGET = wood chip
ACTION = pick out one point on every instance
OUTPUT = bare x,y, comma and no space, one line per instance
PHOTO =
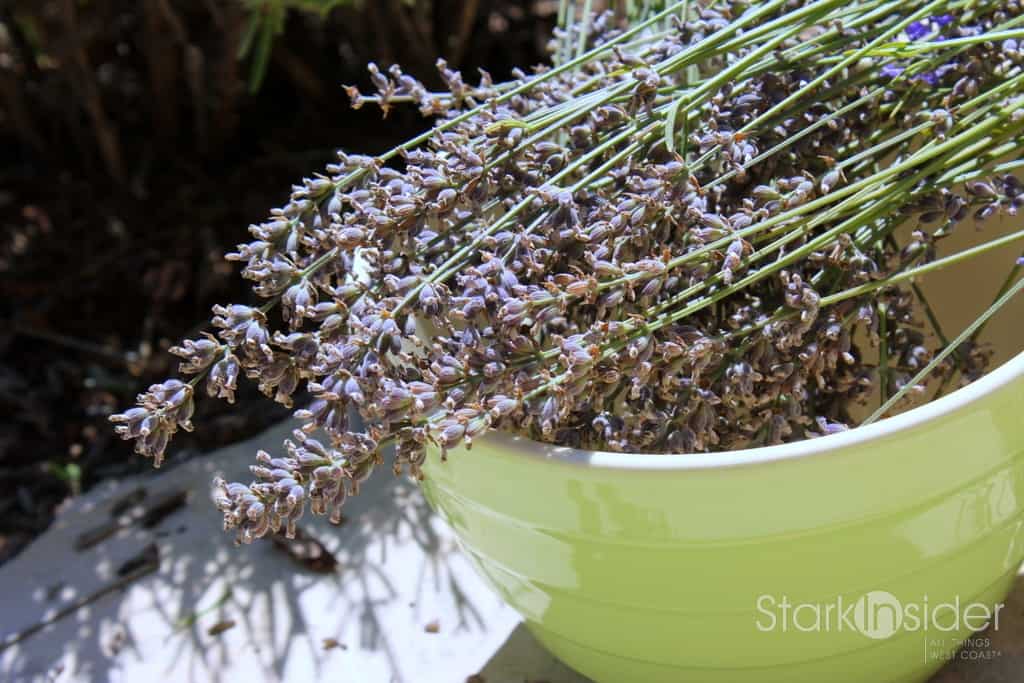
331,643
220,627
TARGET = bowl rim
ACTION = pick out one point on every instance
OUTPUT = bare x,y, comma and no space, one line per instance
993,381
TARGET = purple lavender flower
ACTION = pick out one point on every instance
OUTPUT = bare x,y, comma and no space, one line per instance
933,78
591,327
929,77
892,70
917,30
920,29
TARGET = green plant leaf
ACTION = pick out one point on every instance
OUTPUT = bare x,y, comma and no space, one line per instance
266,21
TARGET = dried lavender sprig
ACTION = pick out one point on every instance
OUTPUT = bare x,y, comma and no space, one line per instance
846,62
923,127
813,10
384,386
781,220
903,49
930,267
736,68
169,405
974,140
525,87
946,352
909,276
661,315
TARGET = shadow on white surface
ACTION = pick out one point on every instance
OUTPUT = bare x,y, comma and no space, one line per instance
399,570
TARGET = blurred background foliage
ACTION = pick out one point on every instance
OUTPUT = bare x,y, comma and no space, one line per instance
78,74
138,139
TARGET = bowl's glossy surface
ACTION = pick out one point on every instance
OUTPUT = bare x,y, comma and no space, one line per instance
667,568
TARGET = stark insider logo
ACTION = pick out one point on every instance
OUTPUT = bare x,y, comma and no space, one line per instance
877,615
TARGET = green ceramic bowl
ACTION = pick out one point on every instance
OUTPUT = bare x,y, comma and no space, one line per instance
889,543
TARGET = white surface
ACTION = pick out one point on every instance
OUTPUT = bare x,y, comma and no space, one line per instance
399,571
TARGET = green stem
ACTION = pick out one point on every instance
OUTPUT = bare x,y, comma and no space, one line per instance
883,351
949,349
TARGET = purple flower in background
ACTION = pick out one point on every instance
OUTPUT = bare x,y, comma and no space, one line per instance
892,70
917,30
933,78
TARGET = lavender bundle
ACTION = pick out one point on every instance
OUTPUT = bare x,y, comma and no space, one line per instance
668,240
